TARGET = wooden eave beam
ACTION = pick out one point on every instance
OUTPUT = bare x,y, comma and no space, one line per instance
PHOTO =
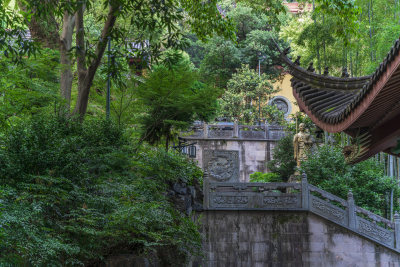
383,138
361,107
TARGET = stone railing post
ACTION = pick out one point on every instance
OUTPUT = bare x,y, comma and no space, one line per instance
397,229
266,130
305,193
205,130
236,129
351,209
206,190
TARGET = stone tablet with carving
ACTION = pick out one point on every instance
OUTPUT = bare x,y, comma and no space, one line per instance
221,165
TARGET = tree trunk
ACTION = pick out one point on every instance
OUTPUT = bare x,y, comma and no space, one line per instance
80,54
373,30
43,29
317,45
356,63
85,76
65,59
370,31
351,64
323,42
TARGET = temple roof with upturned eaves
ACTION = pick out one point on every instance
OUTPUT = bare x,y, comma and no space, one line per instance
364,107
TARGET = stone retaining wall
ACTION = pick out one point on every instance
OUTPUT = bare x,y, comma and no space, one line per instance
285,238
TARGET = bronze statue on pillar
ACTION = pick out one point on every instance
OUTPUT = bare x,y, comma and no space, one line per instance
302,143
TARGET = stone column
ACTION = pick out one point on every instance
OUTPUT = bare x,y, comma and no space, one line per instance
206,190
266,130
305,193
351,209
205,130
236,129
397,229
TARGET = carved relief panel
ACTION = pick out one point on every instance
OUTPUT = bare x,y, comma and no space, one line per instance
221,165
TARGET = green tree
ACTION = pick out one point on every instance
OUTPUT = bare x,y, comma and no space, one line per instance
245,90
255,42
324,38
153,21
221,59
246,20
258,49
172,98
269,177
76,193
14,43
283,162
327,169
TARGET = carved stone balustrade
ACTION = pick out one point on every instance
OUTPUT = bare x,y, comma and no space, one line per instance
303,197
235,131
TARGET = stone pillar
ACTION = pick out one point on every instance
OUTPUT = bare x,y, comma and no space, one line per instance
266,130
236,129
397,229
305,193
206,190
205,130
351,209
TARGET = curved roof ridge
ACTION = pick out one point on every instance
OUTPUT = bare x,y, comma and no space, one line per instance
300,70
350,91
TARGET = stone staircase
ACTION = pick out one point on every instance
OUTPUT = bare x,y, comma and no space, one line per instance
303,197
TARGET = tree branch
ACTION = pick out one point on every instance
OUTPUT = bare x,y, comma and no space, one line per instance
84,86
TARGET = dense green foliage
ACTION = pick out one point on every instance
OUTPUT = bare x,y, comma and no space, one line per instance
218,59
283,162
327,169
172,98
246,90
13,42
74,193
29,87
269,177
360,47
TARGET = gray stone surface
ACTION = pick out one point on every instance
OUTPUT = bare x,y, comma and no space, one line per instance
221,165
278,238
300,197
254,144
253,155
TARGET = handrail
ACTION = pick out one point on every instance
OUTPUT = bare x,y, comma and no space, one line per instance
327,195
236,131
375,217
298,196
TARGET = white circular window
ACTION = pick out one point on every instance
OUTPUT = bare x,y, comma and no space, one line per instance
282,103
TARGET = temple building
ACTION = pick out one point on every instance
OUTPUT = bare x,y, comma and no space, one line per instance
366,108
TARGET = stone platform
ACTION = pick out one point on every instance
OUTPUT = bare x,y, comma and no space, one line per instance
292,224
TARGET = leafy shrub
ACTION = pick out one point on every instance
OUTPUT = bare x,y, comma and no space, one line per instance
327,169
283,162
73,194
270,177
29,87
